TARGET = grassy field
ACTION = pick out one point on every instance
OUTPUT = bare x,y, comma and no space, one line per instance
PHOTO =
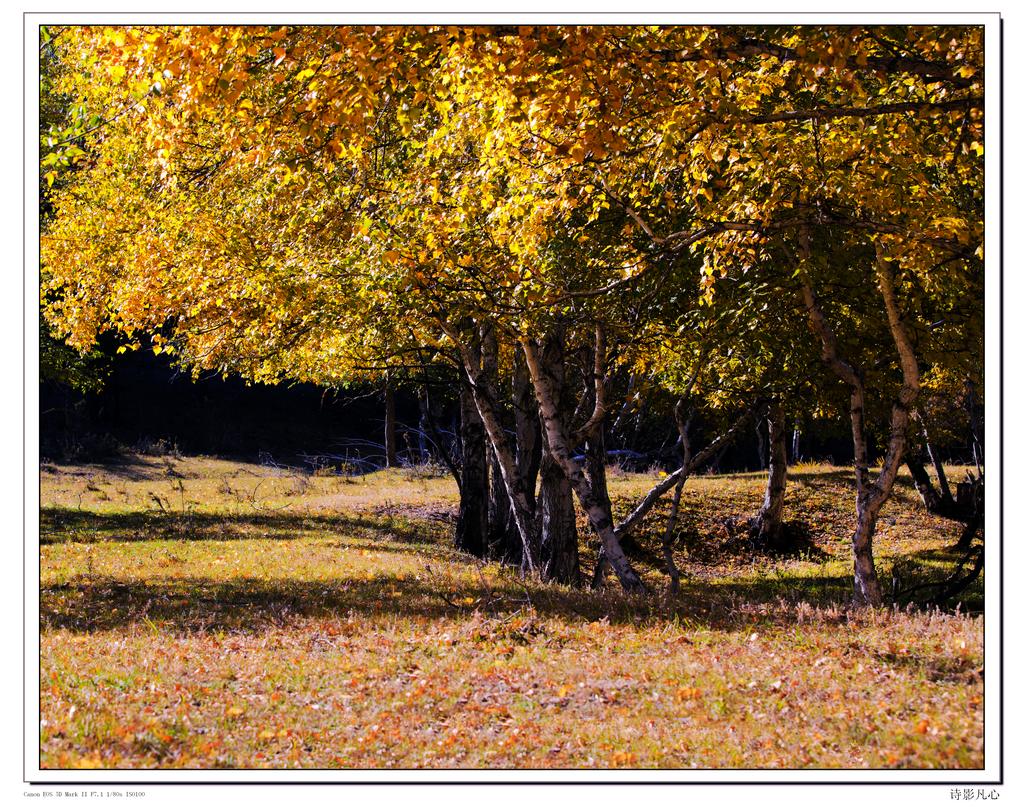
200,613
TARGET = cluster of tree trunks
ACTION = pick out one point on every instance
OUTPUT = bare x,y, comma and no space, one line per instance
502,515
509,444
517,430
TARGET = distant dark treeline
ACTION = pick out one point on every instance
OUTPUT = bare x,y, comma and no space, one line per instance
146,401
147,404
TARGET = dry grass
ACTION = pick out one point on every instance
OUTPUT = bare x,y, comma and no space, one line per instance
200,613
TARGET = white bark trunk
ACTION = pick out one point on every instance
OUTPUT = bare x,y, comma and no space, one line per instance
600,517
767,524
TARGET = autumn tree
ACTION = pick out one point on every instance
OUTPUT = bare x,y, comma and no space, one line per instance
268,200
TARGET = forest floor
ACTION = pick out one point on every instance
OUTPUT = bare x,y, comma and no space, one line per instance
203,613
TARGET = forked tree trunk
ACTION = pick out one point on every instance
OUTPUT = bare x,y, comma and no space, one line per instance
766,526
471,527
871,495
558,446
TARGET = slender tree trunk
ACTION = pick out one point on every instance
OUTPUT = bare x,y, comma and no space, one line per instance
767,524
923,483
940,471
762,454
871,495
390,427
668,540
597,468
598,513
501,529
528,429
471,527
866,588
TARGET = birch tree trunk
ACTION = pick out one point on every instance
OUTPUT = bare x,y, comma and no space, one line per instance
766,526
683,420
597,468
558,445
559,541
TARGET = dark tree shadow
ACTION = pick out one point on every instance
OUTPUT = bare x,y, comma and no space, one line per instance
797,542
62,525
194,604
130,467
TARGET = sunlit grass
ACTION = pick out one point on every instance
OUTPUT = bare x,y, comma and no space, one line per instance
203,613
